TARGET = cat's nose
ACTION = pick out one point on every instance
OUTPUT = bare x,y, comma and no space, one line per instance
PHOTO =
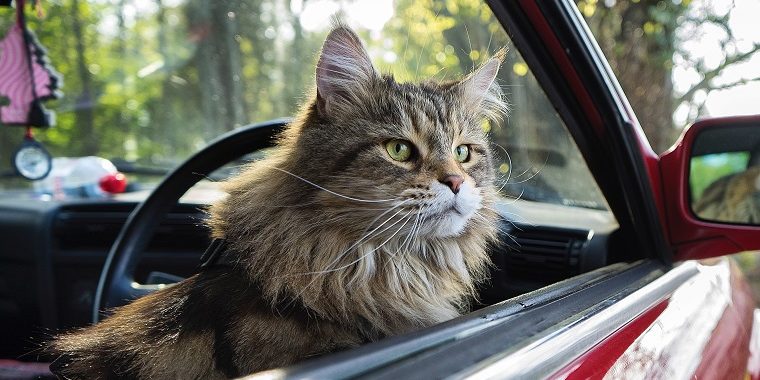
453,182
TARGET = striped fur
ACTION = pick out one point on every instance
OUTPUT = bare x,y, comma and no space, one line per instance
333,242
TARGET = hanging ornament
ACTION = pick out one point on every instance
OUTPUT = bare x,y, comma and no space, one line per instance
26,80
31,160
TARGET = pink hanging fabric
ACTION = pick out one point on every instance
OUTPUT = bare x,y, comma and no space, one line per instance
16,79
15,83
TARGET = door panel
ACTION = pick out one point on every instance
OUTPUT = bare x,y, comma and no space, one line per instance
701,330
533,335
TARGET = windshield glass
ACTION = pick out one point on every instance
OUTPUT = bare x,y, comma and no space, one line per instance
147,83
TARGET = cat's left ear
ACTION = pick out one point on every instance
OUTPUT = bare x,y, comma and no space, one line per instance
479,90
344,71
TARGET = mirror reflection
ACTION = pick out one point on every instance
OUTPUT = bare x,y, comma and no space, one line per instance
725,175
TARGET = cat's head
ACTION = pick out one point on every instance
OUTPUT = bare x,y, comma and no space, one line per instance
417,151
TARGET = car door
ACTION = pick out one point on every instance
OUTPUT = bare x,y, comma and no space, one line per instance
647,315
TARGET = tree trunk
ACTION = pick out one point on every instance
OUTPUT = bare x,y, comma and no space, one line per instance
85,103
640,51
294,70
219,65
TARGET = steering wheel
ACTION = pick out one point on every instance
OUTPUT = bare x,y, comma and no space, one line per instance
117,286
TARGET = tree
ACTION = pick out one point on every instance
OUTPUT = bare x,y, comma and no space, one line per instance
642,40
219,64
85,100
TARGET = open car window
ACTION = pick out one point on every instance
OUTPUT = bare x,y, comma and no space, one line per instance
153,82
536,157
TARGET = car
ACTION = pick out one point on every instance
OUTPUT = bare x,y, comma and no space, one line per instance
604,268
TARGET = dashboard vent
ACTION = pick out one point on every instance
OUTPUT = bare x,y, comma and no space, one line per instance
547,253
95,226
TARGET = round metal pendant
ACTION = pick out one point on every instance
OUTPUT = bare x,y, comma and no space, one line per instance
32,161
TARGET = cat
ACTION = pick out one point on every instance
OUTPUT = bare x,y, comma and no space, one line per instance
371,219
734,198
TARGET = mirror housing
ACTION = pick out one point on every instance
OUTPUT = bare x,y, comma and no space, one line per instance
690,236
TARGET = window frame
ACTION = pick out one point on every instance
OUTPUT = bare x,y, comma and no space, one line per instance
568,64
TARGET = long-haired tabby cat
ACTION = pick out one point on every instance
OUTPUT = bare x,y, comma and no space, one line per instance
370,220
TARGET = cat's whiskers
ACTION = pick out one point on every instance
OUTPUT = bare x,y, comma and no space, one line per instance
537,172
509,169
413,234
415,228
349,186
496,226
408,236
516,218
330,191
416,232
355,244
342,254
422,222
532,175
407,219
515,199
366,235
506,182
521,174
502,212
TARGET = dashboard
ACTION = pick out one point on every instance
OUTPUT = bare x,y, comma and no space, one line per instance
52,254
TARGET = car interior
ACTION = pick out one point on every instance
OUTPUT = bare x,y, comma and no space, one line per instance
53,255
556,225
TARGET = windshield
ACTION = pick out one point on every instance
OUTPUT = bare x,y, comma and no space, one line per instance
147,83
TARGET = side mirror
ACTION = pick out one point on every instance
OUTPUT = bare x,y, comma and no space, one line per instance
711,188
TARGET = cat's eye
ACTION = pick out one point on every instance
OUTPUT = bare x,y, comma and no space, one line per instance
399,150
462,153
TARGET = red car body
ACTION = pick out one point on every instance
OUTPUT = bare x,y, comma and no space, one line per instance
705,327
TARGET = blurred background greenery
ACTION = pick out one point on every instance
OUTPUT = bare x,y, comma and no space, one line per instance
151,81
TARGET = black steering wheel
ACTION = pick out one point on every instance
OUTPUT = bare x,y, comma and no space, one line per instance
117,286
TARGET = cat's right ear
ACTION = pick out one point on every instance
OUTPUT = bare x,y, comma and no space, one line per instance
344,71
480,91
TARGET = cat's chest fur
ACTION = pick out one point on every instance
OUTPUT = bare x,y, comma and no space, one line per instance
392,282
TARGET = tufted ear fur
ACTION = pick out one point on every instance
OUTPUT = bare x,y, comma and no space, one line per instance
480,91
344,70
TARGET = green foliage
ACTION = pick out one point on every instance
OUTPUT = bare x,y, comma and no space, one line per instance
160,80
153,81
704,170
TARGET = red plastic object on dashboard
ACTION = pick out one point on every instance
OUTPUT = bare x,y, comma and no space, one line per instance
113,183
694,238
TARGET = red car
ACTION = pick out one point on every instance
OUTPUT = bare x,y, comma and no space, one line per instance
635,288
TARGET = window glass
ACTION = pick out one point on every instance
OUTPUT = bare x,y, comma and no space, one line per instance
150,82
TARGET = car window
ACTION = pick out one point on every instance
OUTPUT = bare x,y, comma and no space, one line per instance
148,83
